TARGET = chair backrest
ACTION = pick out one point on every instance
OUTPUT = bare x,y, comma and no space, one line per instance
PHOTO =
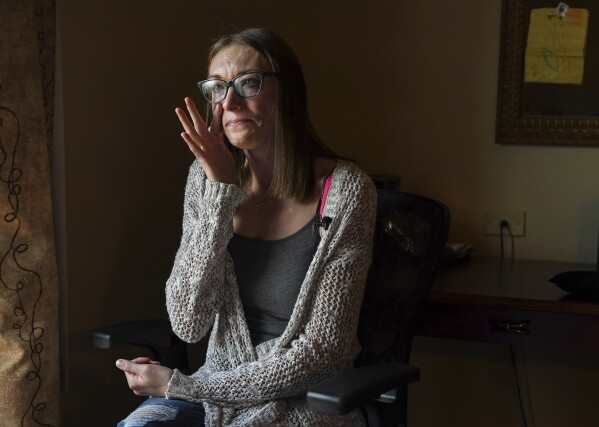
410,237
409,240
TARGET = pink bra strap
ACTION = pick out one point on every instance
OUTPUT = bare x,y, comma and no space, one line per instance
325,190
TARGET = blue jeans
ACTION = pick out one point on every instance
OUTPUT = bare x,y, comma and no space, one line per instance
161,412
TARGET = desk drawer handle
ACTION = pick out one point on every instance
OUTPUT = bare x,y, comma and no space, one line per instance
508,327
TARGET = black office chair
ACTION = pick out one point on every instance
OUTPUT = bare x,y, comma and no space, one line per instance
410,237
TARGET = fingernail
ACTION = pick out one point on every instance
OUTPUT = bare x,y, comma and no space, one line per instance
119,363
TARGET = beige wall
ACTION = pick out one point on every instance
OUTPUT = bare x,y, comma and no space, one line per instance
444,145
404,87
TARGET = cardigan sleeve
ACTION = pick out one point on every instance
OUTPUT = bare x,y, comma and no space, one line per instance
195,288
328,343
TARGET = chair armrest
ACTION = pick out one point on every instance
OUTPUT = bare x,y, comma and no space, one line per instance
345,391
130,332
143,333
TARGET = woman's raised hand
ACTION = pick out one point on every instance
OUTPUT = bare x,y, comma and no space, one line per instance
207,143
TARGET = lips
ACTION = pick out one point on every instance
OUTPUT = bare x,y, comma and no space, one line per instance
237,122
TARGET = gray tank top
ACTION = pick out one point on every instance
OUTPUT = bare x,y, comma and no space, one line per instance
270,274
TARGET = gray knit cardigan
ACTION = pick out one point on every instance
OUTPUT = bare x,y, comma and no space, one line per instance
243,385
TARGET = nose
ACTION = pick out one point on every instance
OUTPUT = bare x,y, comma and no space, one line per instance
232,100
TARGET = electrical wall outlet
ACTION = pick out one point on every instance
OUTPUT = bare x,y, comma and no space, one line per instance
516,220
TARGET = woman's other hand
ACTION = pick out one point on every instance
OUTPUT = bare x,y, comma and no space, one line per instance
207,143
146,377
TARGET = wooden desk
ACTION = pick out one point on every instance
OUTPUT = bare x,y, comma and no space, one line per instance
510,302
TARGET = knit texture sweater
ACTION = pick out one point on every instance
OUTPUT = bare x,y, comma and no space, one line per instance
243,385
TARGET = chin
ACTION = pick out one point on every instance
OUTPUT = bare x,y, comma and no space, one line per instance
237,141
243,142
242,145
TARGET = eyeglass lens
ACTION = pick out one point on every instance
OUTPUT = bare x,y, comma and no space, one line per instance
245,85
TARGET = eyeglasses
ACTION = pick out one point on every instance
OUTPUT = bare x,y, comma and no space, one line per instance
246,85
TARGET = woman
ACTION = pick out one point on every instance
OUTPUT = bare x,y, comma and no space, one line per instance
276,245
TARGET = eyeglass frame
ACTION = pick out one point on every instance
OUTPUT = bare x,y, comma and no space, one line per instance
229,83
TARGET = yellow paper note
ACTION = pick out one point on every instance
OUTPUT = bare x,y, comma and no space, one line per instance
556,46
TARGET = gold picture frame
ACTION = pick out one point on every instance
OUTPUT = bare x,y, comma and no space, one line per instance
514,124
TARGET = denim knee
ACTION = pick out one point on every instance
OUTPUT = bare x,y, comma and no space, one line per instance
150,415
161,412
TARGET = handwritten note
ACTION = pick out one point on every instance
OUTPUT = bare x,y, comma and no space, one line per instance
556,46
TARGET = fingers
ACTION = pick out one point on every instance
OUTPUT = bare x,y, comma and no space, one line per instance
184,121
127,366
194,135
145,376
197,135
216,127
145,360
134,372
207,144
133,366
190,136
195,147
198,122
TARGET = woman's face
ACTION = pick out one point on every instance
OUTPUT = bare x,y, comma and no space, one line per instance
248,123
